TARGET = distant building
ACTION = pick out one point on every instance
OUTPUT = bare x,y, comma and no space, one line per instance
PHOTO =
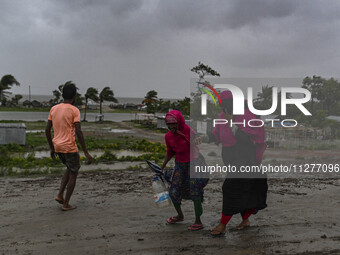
36,104
333,117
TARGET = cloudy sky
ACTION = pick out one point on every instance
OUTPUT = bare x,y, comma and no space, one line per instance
135,46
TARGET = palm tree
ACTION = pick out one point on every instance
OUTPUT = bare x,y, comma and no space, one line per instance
264,98
57,95
150,99
106,95
6,82
92,94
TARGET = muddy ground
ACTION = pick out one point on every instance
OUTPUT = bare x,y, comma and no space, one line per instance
116,214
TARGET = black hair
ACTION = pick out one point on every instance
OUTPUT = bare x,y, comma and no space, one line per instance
69,90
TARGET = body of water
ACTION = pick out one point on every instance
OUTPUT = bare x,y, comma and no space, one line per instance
121,100
43,116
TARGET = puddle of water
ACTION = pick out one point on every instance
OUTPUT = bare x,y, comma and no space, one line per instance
128,153
112,166
118,130
35,131
101,166
46,154
111,130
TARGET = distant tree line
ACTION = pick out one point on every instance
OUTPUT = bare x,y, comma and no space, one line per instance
154,104
91,93
325,99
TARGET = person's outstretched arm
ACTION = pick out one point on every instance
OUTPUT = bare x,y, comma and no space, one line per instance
166,160
49,138
81,140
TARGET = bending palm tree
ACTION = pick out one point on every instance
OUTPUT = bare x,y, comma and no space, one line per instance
150,101
92,94
106,95
6,82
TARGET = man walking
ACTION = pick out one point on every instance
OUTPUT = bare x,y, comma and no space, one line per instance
65,120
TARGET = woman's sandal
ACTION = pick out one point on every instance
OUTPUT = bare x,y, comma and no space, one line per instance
241,227
173,220
59,200
69,208
217,234
195,227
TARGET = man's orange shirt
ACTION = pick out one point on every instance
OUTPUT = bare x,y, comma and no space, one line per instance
63,117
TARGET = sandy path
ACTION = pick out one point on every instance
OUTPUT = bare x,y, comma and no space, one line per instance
116,215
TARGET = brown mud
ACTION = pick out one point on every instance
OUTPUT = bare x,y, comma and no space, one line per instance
116,215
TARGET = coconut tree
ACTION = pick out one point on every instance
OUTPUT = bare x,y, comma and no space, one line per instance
91,93
150,100
106,95
57,95
6,82
264,97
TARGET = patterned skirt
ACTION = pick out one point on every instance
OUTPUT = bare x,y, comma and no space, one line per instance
184,187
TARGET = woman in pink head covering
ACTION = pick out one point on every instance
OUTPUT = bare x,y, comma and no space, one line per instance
180,142
242,145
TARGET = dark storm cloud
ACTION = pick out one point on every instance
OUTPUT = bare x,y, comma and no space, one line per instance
217,15
130,24
109,23
124,42
126,24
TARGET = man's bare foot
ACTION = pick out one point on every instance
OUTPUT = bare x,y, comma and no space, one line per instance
244,224
68,207
59,199
219,230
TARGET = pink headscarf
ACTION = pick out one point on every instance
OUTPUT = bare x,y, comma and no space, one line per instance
179,143
177,117
224,134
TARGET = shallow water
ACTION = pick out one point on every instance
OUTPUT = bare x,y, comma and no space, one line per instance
43,116
46,154
34,131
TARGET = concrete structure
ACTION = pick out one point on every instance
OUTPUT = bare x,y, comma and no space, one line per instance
12,133
161,122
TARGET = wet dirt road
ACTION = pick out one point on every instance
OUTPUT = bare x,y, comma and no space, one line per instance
116,215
